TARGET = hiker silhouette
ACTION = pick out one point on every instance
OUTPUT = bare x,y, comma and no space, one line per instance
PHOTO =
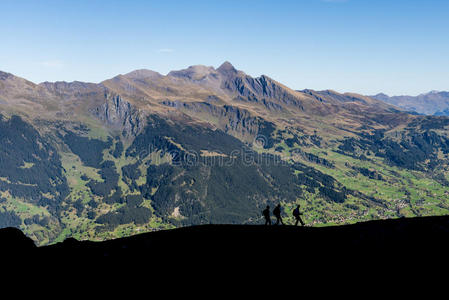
266,214
277,214
297,214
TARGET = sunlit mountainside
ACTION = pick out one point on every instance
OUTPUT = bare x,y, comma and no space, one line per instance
144,151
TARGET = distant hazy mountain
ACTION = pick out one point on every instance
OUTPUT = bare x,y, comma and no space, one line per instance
432,103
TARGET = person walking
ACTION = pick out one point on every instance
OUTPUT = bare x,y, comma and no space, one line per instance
266,214
277,214
297,214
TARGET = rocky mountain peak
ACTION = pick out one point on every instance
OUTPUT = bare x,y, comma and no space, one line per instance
227,69
382,95
13,87
196,72
142,74
4,75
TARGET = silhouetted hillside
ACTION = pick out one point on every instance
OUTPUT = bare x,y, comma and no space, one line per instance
13,241
400,241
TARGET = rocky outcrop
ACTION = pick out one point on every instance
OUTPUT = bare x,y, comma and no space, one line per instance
119,113
233,120
71,89
262,90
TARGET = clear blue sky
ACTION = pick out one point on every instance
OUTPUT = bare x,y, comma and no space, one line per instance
365,46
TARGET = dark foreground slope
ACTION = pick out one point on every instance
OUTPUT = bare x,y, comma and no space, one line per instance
393,240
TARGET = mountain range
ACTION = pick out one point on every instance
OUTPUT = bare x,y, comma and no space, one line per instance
432,103
143,151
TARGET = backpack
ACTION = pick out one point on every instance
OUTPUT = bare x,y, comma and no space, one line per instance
296,212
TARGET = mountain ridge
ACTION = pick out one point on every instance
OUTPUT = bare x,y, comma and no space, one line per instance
430,103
